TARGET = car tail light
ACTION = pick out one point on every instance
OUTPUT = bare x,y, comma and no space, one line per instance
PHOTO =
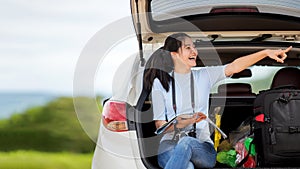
114,116
234,10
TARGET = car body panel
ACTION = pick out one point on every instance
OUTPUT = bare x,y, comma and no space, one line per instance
116,150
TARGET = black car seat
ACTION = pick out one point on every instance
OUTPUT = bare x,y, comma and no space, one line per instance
288,76
235,89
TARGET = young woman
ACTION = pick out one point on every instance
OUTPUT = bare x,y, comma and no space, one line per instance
179,91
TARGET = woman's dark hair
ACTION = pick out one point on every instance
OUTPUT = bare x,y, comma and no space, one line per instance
160,63
174,42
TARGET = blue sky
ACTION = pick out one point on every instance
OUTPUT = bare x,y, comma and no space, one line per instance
41,41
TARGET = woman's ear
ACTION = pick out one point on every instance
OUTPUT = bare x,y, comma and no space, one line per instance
174,54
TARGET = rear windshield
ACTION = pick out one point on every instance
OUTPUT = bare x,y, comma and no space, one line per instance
261,78
180,8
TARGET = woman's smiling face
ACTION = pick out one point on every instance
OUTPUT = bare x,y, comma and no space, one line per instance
188,53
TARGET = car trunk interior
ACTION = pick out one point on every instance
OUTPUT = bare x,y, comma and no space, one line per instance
235,100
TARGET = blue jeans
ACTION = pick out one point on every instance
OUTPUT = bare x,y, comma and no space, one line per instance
188,153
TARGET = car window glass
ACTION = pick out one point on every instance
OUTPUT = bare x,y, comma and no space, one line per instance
261,79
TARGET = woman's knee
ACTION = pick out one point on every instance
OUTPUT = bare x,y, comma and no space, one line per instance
186,144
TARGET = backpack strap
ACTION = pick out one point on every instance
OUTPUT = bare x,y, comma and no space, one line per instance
177,130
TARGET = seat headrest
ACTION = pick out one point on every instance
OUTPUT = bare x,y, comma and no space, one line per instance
235,89
287,76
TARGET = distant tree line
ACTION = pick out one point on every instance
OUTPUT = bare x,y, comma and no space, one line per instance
53,127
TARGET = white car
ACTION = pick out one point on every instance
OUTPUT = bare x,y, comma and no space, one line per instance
222,31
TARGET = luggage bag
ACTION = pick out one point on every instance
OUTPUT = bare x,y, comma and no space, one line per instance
277,128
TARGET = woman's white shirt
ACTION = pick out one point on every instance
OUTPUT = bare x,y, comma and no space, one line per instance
162,103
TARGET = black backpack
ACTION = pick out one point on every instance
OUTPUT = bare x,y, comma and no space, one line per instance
277,127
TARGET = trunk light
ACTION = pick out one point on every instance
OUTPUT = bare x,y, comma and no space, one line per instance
114,116
234,10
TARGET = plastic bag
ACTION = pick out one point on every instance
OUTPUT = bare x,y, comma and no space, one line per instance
241,132
242,148
227,157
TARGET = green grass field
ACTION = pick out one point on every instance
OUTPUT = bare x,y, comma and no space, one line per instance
44,160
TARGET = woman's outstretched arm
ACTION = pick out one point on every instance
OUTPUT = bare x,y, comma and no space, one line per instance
244,62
